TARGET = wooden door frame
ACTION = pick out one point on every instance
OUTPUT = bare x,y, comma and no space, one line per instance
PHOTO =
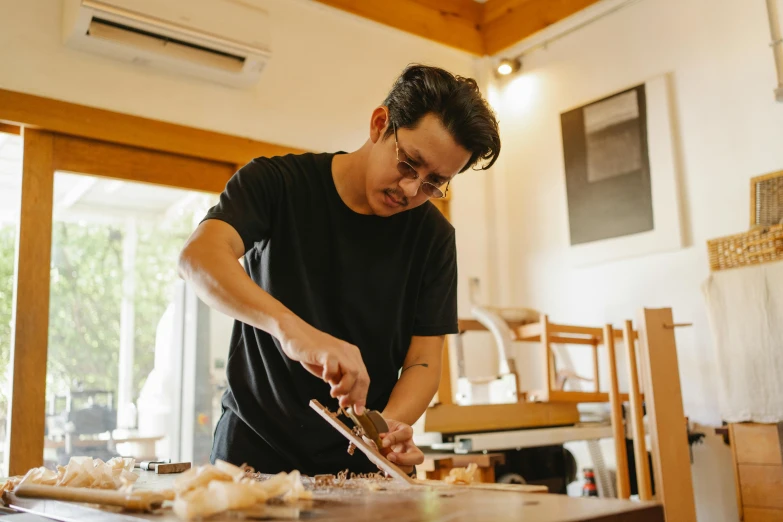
30,309
45,153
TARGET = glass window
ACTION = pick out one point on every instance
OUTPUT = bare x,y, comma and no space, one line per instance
131,368
10,200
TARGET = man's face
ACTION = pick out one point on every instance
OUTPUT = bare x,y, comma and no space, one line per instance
429,149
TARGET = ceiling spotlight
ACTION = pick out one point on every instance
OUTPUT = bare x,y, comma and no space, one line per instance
508,66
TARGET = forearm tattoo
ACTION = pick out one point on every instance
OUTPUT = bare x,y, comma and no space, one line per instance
412,365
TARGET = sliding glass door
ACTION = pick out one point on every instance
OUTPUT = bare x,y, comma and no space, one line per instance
10,196
126,338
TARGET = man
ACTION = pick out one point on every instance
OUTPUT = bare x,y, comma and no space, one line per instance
349,280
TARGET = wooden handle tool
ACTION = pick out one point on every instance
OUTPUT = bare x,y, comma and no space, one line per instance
136,501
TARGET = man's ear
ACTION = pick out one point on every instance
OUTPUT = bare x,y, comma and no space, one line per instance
379,121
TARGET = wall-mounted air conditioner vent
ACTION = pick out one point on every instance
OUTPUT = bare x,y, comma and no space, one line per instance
217,40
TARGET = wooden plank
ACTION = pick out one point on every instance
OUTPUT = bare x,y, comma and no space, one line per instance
666,419
618,425
761,486
508,488
763,515
99,158
375,457
527,332
549,360
419,19
596,369
574,396
591,331
497,8
554,339
30,314
446,418
89,122
757,443
465,9
735,467
524,19
10,129
637,418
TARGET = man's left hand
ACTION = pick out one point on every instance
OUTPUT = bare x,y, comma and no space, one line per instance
404,452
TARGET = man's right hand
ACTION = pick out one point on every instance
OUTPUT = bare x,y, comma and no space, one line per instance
336,362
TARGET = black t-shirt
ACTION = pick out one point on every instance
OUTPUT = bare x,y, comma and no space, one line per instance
368,280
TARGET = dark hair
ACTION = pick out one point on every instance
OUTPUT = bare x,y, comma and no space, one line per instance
455,100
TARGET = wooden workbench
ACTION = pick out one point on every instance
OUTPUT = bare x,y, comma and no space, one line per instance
416,504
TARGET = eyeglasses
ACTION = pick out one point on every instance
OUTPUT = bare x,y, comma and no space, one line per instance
408,172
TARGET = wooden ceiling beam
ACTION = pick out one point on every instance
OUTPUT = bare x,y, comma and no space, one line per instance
494,9
455,25
466,9
518,19
480,29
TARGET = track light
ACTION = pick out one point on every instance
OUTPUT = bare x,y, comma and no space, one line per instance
508,66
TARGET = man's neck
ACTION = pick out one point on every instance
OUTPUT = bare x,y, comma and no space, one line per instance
348,173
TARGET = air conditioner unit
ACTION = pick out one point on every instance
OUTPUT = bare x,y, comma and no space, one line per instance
223,41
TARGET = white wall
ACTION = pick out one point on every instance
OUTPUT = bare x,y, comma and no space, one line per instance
729,129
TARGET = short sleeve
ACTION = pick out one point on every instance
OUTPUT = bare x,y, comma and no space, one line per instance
436,309
249,201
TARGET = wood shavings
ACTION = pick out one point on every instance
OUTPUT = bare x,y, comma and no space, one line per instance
211,489
378,475
297,490
349,480
325,481
462,475
359,433
81,472
199,477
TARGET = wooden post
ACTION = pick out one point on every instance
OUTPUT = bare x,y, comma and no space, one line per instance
30,314
618,429
665,415
637,418
735,465
549,359
597,374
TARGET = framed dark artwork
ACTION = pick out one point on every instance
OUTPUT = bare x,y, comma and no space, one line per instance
620,176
